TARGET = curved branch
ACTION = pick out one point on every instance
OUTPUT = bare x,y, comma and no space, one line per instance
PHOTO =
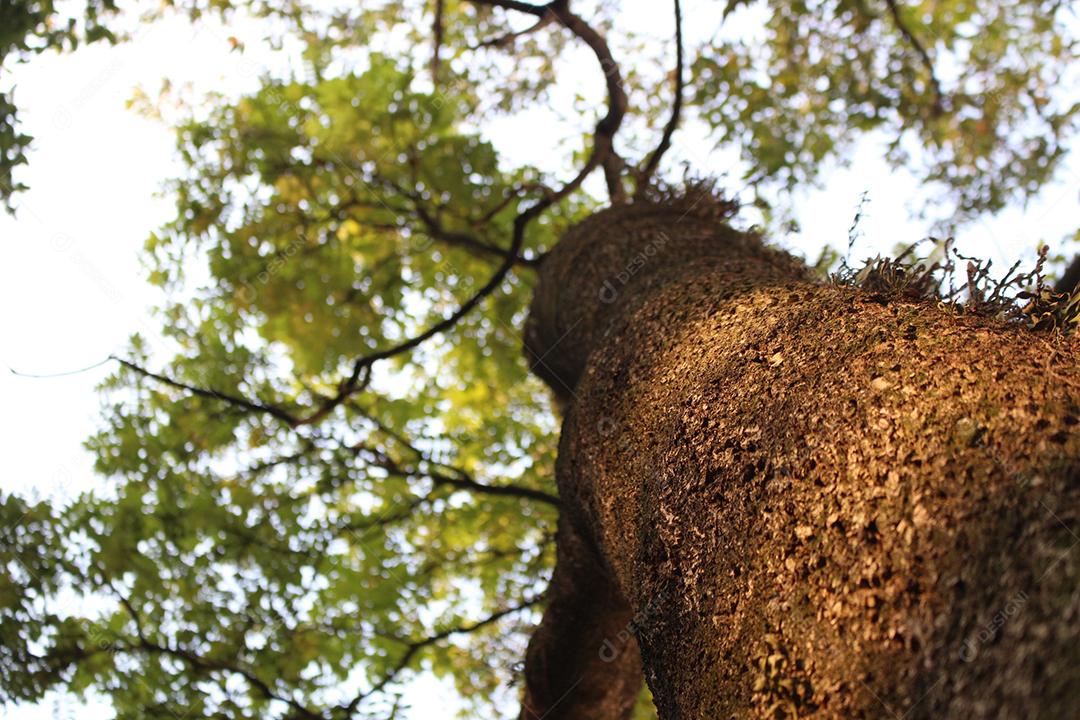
453,476
501,41
412,647
599,156
198,662
920,49
236,400
617,101
676,109
467,241
609,160
603,141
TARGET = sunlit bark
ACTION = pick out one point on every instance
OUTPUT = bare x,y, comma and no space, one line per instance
813,498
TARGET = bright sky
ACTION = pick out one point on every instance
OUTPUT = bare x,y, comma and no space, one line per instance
72,290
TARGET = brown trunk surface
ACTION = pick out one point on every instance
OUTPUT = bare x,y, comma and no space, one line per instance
583,660
805,499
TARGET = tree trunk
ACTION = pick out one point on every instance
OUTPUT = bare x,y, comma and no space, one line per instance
807,498
583,660
1070,278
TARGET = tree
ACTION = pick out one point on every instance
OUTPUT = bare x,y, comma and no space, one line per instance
805,498
341,477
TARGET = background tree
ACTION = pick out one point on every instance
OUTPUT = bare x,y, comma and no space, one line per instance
342,475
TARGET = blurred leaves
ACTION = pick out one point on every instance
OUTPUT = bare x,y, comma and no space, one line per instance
988,121
239,564
27,28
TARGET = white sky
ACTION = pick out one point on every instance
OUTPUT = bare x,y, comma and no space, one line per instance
72,290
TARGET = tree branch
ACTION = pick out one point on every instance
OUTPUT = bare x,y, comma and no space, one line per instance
617,101
920,49
508,38
464,481
537,10
602,150
200,663
235,400
412,647
603,140
613,165
457,477
613,175
437,40
467,241
676,109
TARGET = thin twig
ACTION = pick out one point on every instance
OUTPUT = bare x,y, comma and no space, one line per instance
238,401
459,478
65,373
500,41
928,63
415,646
676,109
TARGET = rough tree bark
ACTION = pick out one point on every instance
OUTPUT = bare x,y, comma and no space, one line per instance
802,498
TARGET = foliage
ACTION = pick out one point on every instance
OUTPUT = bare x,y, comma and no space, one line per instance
240,545
30,27
305,507
968,93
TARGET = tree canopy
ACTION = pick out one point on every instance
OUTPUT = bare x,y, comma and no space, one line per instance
337,472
